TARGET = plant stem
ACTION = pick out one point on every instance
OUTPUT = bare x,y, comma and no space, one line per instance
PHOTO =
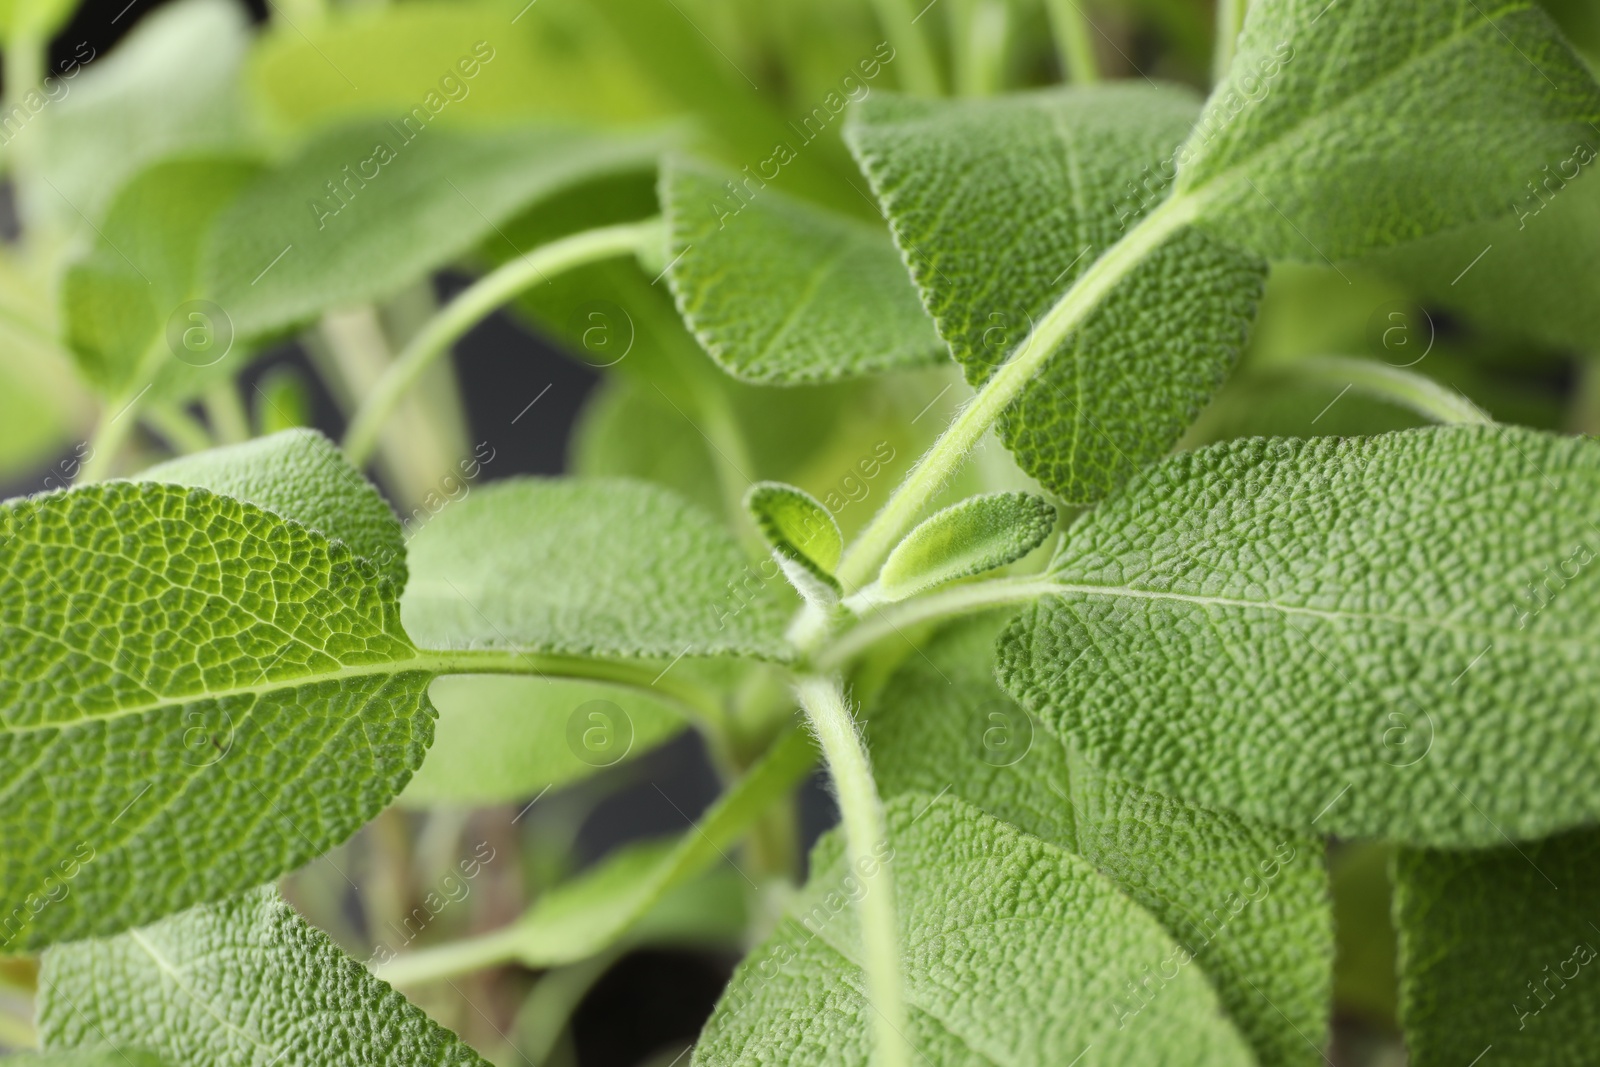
550,1004
1406,388
183,432
981,31
225,412
958,600
1074,47
477,302
642,675
911,46
936,466
1230,20
1584,414
866,841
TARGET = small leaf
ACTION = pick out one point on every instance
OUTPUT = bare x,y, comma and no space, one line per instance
805,539
1498,947
245,980
129,301
1016,952
783,292
1381,637
1331,137
968,538
1000,206
319,232
501,737
300,475
181,676
1249,900
590,567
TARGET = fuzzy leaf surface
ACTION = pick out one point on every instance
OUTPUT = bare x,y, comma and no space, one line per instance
780,291
1339,128
241,981
183,674
1013,951
976,535
340,245
585,567
1499,947
1000,206
1338,634
1250,901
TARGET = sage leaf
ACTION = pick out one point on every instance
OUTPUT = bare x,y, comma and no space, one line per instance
1249,900
129,302
1497,947
181,675
782,292
587,567
319,232
1330,137
976,535
1015,950
501,737
1001,205
245,980
804,537
1286,629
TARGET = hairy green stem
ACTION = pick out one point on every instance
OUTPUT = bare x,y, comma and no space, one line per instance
1422,395
934,469
182,431
866,837
644,676
1074,46
1230,20
894,619
476,303
913,51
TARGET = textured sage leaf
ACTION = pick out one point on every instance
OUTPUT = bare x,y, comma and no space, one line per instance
1498,948
241,981
300,475
135,106
181,677
781,291
590,567
1339,128
107,1057
503,737
976,535
804,537
462,61
320,231
630,888
1250,901
1382,637
1014,954
1001,205
127,300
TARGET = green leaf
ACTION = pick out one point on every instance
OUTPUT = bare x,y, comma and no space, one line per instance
319,232
1001,206
181,676
601,567
300,475
136,106
1339,129
245,980
1498,947
128,301
110,1057
464,62
976,535
805,540
591,912
33,20
502,737
1250,901
1379,637
783,292
1015,950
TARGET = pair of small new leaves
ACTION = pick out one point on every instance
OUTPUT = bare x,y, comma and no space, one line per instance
976,535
